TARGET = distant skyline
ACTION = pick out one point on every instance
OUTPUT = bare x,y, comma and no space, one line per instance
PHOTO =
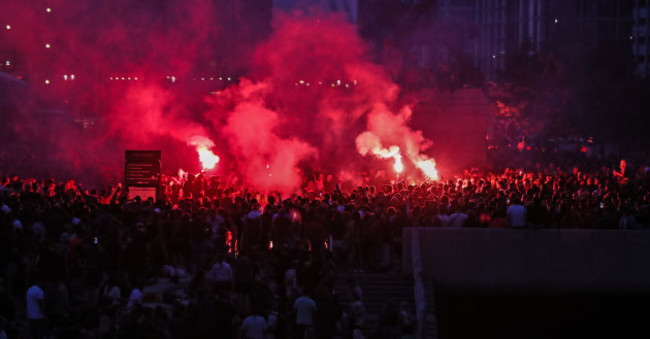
350,7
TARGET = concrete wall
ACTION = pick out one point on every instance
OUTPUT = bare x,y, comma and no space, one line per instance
533,260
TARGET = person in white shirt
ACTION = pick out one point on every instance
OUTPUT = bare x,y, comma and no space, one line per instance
136,295
457,218
304,309
35,305
516,214
221,273
358,313
112,290
253,327
290,280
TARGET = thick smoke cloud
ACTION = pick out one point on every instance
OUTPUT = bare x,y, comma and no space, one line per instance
268,161
313,90
72,51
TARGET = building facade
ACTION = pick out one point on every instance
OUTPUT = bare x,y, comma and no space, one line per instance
639,37
509,26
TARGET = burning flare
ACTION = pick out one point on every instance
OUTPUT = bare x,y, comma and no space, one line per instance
428,167
370,143
367,142
206,156
398,167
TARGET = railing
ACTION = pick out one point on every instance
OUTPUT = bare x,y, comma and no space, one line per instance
420,300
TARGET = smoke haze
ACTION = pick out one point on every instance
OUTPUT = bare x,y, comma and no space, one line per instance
306,92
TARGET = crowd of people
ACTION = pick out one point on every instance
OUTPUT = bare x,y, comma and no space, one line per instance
207,259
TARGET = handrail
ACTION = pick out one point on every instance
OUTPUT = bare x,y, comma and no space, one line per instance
420,300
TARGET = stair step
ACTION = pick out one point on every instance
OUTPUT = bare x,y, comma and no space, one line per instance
378,288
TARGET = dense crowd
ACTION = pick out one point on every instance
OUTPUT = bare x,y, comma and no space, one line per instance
210,259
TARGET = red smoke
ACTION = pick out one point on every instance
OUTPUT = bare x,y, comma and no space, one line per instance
314,90
98,43
317,91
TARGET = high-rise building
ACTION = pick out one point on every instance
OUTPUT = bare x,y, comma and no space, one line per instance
349,7
508,26
640,37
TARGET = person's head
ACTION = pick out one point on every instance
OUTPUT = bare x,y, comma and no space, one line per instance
222,296
515,200
137,283
389,305
178,310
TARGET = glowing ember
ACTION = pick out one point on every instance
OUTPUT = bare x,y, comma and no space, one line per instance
207,158
429,169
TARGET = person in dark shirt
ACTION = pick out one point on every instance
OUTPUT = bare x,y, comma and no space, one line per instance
224,316
536,214
177,326
202,315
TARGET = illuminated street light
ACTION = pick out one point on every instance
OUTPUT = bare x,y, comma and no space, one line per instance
8,26
47,45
